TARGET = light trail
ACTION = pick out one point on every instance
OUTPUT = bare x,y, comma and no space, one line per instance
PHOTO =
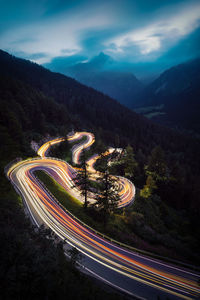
42,151
127,188
77,149
46,210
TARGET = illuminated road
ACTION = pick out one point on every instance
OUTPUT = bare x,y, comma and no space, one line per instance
126,188
77,149
131,272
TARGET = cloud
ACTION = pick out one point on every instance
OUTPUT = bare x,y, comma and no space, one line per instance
52,35
131,30
157,36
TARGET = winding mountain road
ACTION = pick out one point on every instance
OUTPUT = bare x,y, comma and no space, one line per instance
132,273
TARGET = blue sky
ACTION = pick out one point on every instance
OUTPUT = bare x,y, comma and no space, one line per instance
135,31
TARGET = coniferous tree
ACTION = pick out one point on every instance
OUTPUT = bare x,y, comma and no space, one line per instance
107,194
82,179
157,166
130,164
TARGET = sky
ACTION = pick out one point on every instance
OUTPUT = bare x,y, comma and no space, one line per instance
132,31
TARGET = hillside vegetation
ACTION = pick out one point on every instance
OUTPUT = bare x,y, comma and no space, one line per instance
35,102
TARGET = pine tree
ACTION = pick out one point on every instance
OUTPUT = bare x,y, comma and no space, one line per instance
157,166
82,179
130,164
107,195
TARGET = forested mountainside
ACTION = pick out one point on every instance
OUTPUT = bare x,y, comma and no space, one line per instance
88,107
103,74
173,98
35,102
32,266
122,86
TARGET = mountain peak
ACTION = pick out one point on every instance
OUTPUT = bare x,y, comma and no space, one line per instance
103,55
102,58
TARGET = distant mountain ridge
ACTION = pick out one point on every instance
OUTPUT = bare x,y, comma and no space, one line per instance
101,73
75,64
171,99
84,107
174,98
87,108
176,80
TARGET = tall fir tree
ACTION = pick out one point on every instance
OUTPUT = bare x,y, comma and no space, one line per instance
107,194
130,164
82,179
157,166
